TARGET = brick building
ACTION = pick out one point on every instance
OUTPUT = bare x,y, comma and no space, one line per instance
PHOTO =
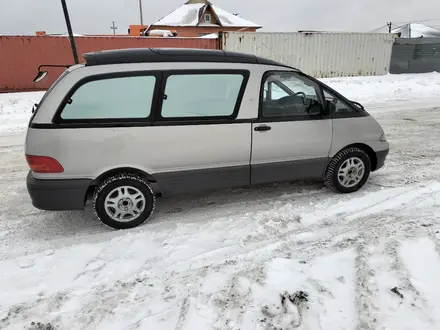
197,18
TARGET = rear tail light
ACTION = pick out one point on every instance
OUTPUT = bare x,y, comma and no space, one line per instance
43,164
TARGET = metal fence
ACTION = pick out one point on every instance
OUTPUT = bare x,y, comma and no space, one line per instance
318,54
418,55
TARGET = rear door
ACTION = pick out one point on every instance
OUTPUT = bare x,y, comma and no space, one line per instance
292,136
200,142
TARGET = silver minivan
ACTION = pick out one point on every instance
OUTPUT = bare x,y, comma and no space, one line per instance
130,125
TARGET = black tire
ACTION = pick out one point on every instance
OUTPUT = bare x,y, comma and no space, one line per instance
120,180
331,174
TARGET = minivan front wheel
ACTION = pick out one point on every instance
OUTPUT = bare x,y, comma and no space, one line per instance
124,201
348,171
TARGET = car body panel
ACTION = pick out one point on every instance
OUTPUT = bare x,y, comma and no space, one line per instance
347,131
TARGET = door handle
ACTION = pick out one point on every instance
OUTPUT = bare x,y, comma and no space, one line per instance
262,128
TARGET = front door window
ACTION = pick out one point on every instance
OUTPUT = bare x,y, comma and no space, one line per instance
288,94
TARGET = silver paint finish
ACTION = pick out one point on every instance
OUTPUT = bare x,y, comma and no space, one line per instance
358,130
89,152
292,140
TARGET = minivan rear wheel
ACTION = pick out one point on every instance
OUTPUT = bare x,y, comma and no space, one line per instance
124,201
348,171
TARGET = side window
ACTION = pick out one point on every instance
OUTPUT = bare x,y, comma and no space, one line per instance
287,94
335,105
112,98
201,95
273,91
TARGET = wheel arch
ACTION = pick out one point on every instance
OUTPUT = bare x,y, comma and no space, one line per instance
367,149
125,169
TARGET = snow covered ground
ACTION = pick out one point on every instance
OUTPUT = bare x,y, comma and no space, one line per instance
294,256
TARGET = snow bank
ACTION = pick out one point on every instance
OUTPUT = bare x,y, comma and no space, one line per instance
16,109
388,88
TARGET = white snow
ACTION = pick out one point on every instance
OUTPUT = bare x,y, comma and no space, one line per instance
380,90
229,20
162,33
15,109
188,15
210,36
283,255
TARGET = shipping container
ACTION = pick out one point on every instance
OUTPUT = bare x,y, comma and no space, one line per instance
20,56
318,54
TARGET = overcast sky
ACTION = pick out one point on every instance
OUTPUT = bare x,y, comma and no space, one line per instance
96,16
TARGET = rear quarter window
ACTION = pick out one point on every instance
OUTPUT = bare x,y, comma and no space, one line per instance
111,98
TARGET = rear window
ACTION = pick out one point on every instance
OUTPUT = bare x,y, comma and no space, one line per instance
111,98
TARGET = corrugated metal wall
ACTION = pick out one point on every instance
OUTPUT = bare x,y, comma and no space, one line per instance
319,54
20,56
418,55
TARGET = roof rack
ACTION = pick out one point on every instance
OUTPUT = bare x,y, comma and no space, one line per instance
150,55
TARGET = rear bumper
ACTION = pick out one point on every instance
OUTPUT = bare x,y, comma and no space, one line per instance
57,195
381,157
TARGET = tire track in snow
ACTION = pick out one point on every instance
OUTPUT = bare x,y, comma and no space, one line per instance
191,278
366,287
415,306
422,262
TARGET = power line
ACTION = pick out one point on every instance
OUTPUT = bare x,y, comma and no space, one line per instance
420,21
401,26
383,26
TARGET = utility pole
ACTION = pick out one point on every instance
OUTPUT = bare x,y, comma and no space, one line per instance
69,30
390,25
113,27
140,12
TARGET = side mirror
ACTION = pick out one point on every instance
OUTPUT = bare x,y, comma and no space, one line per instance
40,76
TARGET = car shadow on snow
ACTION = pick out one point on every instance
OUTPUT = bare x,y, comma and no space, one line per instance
185,209
235,197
